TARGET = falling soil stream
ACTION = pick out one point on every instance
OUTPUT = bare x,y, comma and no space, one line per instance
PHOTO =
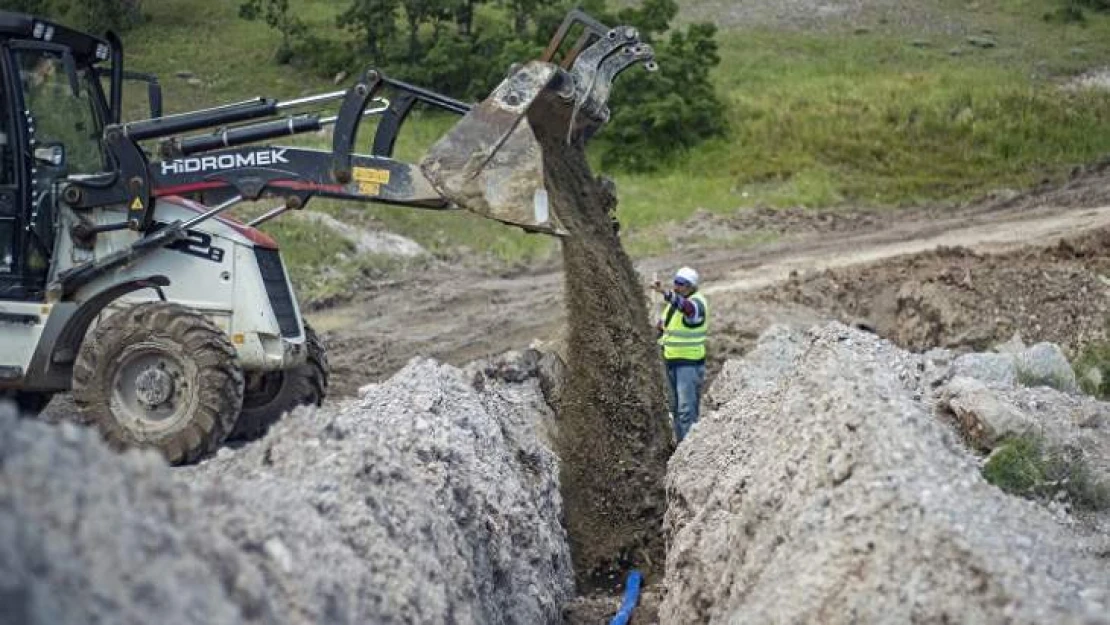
614,436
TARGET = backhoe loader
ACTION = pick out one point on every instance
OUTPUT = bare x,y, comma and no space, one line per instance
124,281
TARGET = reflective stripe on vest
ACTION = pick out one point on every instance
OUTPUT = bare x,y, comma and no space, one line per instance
681,342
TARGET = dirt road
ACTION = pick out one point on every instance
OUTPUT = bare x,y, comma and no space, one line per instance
457,314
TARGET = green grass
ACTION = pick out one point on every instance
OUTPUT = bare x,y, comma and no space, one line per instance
817,119
824,120
1025,467
1092,369
1015,466
233,58
324,266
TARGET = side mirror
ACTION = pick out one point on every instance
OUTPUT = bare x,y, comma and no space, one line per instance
51,154
153,92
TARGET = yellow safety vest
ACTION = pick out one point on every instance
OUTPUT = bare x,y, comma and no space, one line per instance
679,341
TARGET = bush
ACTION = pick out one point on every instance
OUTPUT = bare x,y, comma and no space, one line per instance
1094,5
657,117
278,15
1072,11
1092,369
1054,380
95,16
1015,466
1025,467
464,55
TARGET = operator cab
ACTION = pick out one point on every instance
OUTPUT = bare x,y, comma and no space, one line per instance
52,114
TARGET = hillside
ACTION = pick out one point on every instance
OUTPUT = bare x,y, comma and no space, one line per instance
831,105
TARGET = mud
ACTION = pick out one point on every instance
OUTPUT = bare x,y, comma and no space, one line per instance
705,228
958,298
456,311
600,608
614,434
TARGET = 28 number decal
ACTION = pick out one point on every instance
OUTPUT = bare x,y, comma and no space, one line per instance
199,244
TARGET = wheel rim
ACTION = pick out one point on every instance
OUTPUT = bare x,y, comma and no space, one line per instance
150,388
263,388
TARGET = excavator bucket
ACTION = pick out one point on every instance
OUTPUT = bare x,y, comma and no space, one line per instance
490,162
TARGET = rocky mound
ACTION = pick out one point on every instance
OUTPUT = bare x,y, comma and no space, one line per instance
430,499
90,536
829,484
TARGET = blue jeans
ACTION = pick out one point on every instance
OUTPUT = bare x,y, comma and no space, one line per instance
686,381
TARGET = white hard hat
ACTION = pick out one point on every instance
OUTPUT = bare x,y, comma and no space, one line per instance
688,275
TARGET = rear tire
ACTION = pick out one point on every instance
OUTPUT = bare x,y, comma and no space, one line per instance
270,395
160,376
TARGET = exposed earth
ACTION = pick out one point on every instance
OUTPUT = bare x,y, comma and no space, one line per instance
961,278
950,276
865,367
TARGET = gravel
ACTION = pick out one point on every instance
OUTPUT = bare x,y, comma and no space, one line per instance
429,499
825,488
827,482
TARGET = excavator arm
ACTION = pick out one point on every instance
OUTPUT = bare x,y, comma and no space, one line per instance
489,163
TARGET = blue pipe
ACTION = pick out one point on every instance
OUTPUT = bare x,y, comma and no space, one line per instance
631,596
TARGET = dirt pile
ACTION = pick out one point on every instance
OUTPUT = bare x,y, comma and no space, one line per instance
614,437
954,297
90,536
824,487
429,499
1086,187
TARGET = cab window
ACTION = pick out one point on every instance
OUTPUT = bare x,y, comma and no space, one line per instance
60,116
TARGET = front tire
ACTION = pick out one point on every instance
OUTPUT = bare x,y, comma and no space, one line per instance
269,395
160,376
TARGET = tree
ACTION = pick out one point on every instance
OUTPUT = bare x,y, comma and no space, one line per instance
464,16
652,18
375,21
277,15
656,117
421,12
96,16
521,11
100,16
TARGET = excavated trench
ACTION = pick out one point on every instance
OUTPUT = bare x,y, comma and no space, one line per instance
819,479
433,497
614,436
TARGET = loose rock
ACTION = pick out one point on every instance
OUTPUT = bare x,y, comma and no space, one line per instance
427,500
766,525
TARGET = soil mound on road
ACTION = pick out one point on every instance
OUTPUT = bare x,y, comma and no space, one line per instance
826,488
614,433
431,499
954,297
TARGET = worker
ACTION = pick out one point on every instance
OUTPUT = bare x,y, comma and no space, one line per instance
682,329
